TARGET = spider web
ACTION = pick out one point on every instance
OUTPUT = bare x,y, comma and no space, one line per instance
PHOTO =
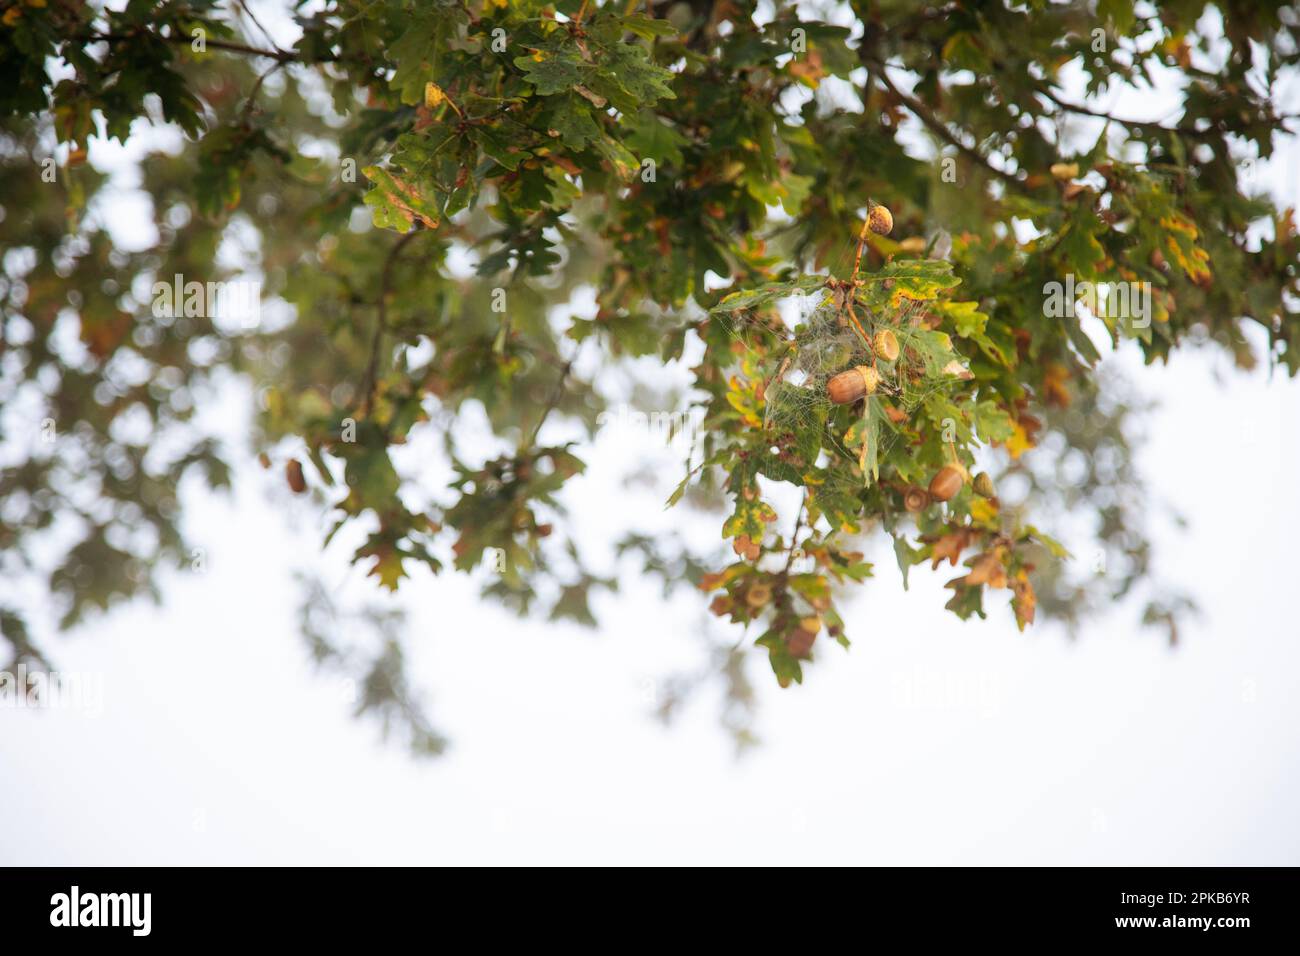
827,343
834,326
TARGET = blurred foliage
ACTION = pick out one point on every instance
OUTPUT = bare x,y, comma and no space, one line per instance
693,165
376,682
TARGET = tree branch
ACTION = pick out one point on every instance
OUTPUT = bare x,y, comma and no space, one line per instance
1151,124
283,56
556,394
370,382
928,117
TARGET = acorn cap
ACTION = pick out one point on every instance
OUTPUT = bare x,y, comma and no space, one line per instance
916,499
886,345
758,595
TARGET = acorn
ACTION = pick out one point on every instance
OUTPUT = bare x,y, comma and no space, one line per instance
946,483
916,499
886,345
851,385
983,485
293,474
880,220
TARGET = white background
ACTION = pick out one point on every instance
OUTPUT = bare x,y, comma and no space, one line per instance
930,742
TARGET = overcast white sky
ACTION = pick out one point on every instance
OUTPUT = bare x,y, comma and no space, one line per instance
931,741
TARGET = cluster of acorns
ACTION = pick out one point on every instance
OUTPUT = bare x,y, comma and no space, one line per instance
849,386
945,484
862,380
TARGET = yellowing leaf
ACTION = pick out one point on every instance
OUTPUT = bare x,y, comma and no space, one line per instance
1019,442
807,69
983,511
387,567
398,202
1023,599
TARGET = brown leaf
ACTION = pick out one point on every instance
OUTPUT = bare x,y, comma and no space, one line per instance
1054,389
566,164
800,642
987,569
949,546
293,474
807,69
103,333
746,548
1023,599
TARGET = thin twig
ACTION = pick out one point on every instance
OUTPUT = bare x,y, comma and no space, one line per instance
370,382
257,23
798,523
846,292
852,292
1151,124
252,94
556,394
862,242
927,116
